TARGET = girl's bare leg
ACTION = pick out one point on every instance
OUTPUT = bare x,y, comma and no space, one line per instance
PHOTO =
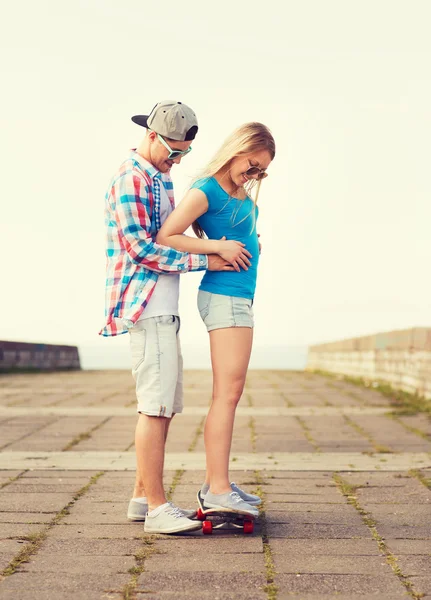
230,355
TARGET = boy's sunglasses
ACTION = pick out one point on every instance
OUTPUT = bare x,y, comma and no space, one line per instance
173,153
252,171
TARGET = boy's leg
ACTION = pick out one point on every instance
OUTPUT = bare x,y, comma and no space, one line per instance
139,490
150,452
157,370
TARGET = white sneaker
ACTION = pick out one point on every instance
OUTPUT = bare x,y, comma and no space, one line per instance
137,511
170,519
249,498
230,502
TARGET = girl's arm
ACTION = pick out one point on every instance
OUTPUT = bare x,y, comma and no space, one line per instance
171,234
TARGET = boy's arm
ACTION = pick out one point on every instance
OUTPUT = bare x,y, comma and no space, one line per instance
132,216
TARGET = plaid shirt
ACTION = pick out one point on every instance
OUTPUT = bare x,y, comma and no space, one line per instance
134,260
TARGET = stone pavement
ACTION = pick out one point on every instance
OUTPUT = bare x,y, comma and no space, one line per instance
344,479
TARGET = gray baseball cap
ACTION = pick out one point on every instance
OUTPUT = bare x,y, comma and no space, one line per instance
170,119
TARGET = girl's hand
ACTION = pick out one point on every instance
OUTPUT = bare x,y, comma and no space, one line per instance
235,254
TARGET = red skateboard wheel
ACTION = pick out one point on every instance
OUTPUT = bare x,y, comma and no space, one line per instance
200,515
207,527
248,526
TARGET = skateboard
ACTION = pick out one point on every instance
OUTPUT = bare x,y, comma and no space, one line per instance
212,518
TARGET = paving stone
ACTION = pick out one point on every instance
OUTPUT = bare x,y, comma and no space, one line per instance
415,565
236,594
17,530
192,582
324,518
348,584
310,563
312,531
93,583
405,532
59,474
410,547
401,595
234,562
400,514
210,544
25,517
29,502
325,547
127,531
74,564
90,547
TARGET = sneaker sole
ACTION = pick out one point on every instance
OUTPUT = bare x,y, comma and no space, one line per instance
193,527
223,509
135,518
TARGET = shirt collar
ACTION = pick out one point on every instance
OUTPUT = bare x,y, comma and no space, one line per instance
145,165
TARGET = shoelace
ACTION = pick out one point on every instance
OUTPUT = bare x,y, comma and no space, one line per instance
235,497
175,511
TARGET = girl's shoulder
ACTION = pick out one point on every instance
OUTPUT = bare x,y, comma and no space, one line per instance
206,184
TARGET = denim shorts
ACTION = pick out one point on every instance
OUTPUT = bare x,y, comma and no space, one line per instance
157,365
220,312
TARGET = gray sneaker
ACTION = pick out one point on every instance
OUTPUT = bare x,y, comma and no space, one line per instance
249,498
137,511
230,502
170,520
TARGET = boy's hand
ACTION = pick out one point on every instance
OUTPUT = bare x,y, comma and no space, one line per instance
217,263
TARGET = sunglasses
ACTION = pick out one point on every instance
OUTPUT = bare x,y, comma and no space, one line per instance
173,153
253,171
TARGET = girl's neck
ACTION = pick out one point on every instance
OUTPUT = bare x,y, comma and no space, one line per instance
224,180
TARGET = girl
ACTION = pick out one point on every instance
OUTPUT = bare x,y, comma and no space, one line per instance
220,207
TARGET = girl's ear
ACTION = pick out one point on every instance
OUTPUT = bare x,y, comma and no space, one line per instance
152,136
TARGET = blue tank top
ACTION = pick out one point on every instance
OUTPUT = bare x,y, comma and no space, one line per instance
235,219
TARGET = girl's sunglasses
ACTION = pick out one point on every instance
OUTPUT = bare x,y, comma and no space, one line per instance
253,171
173,153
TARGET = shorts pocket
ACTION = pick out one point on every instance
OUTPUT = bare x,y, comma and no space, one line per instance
138,340
204,300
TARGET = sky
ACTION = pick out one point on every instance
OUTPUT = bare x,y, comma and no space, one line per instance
345,214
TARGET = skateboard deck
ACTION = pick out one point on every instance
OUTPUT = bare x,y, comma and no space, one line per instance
212,518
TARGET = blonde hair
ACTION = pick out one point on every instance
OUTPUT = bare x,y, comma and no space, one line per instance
248,138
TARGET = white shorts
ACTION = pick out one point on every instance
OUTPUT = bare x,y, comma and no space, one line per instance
157,365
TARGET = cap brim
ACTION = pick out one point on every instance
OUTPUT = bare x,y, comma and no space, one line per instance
141,120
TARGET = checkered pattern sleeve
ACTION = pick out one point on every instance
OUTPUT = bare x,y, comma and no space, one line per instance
132,209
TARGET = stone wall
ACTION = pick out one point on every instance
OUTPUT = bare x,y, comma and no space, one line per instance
401,358
42,357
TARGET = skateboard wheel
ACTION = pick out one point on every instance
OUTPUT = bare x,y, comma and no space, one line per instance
207,527
248,526
200,515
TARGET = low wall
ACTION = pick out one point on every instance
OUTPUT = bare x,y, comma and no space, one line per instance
15,356
401,358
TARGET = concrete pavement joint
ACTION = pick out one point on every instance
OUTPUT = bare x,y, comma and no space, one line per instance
271,588
148,549
253,435
13,479
84,436
307,433
426,481
395,417
349,492
26,435
377,447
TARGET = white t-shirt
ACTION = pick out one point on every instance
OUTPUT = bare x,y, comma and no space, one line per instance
164,300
